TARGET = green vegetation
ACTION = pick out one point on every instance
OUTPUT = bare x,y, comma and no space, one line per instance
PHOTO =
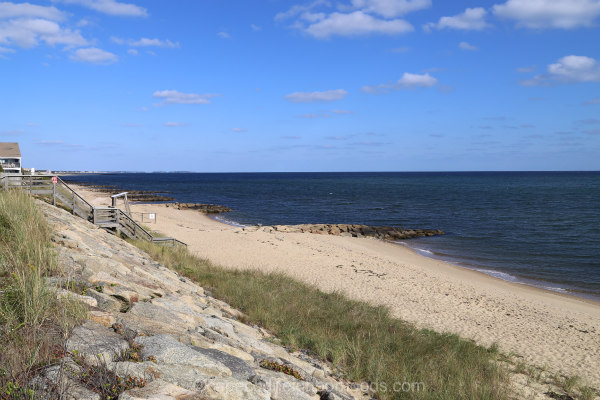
33,322
101,380
362,342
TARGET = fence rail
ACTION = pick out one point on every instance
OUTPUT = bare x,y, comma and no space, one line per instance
63,196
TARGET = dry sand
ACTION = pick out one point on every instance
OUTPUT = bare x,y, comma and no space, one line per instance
547,329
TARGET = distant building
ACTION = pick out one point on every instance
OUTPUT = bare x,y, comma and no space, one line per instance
10,158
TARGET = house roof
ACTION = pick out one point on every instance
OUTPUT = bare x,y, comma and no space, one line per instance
9,150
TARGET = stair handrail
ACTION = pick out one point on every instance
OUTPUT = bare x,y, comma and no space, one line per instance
74,192
138,226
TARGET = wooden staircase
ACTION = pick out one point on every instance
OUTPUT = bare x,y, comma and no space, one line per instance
62,195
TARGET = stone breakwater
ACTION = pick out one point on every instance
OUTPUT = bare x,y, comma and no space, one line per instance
163,335
203,208
140,196
379,232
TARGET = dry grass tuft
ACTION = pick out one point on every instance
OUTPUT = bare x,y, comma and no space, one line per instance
33,322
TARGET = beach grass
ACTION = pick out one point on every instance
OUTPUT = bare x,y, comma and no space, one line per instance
363,343
34,323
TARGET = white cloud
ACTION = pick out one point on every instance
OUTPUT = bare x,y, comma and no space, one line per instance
176,97
569,69
359,18
311,97
576,68
28,32
133,52
408,81
391,8
539,14
94,55
110,7
471,19
146,42
223,35
239,130
12,10
255,28
298,9
355,24
342,112
467,46
174,124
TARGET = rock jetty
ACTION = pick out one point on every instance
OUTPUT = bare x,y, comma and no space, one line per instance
161,336
379,232
203,208
138,196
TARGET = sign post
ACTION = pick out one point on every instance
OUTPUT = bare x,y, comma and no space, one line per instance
54,181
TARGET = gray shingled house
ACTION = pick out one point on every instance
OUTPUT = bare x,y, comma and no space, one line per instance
10,158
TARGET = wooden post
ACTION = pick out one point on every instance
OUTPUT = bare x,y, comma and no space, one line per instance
54,194
73,199
117,219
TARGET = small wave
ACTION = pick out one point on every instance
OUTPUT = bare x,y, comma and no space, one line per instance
555,289
228,222
497,274
423,251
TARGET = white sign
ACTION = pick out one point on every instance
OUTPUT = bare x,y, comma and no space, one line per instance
54,179
152,216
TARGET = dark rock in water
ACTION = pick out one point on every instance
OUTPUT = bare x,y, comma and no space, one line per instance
204,208
140,196
379,232
148,197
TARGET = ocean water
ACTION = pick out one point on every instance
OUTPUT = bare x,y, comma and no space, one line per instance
538,228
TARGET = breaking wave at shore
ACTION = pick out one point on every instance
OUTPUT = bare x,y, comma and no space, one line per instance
499,274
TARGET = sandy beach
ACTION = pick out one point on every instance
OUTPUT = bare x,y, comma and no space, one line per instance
547,329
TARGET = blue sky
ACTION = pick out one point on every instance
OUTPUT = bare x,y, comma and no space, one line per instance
274,85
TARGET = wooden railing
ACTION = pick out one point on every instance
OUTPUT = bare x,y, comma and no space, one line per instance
110,217
62,195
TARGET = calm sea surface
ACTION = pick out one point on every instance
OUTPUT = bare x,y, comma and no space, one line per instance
540,228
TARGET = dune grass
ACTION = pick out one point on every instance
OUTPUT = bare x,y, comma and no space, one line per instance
33,322
364,343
